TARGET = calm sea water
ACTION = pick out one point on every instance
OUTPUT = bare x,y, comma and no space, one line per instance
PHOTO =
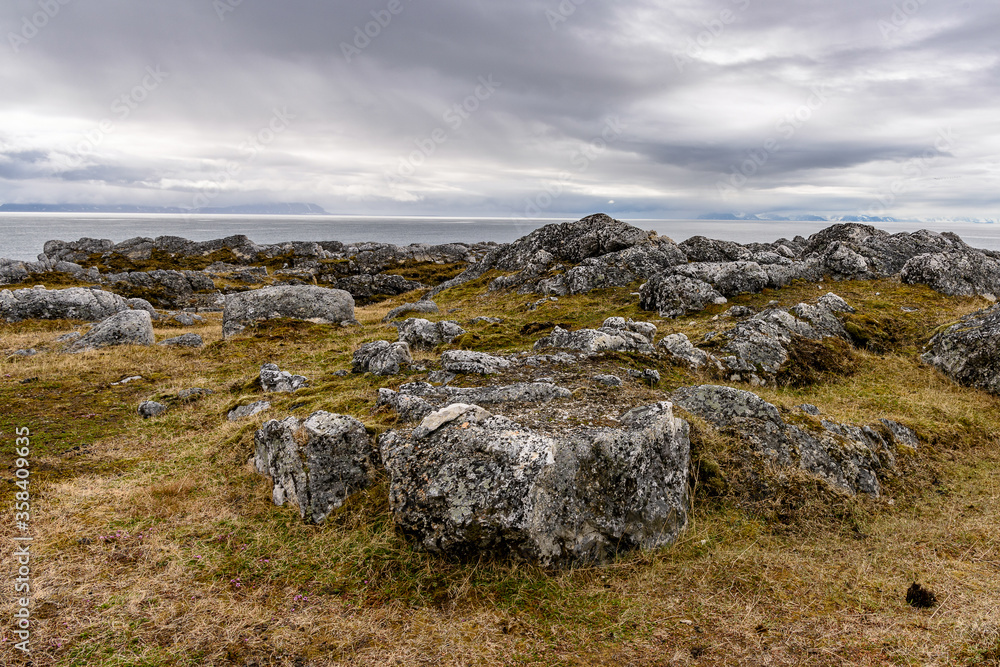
22,235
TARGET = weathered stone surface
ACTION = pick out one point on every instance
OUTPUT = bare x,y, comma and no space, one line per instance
702,249
317,463
74,303
679,347
381,357
142,304
272,379
409,407
148,409
608,380
129,327
847,457
965,273
301,302
417,399
611,270
467,482
728,278
187,340
425,307
423,334
247,411
615,335
969,352
366,288
466,361
674,295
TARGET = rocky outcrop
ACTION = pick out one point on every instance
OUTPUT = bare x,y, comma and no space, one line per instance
317,463
466,361
381,357
417,399
423,334
427,307
129,327
305,302
246,411
187,340
847,457
165,286
675,295
966,273
615,335
969,352
275,380
75,303
727,278
467,482
681,349
367,288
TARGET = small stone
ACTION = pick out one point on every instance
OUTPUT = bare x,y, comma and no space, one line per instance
245,411
131,378
187,340
149,409
608,380
272,379
809,409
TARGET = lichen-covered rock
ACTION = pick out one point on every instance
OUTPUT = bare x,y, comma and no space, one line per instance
969,352
423,334
467,482
381,357
187,340
315,464
466,361
74,303
301,302
847,457
273,379
965,273
416,399
615,338
702,249
673,295
728,278
149,409
247,411
679,347
129,327
425,306
366,288
608,380
409,407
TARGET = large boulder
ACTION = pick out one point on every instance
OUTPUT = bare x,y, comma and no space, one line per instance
273,379
955,273
969,352
75,303
847,457
317,463
381,357
674,295
728,278
467,361
129,327
615,335
416,399
301,302
423,334
466,482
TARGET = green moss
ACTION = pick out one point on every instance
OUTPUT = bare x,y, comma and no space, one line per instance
427,273
159,259
812,361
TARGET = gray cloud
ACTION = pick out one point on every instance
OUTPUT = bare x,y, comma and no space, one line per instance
372,124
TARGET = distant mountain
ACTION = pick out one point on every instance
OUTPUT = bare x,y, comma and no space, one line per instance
863,218
760,217
249,209
727,216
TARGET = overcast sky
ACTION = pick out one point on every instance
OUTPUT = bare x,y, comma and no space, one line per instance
505,107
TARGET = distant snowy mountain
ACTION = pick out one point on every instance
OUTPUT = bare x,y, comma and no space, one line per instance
250,209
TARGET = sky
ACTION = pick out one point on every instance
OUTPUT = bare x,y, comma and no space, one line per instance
509,108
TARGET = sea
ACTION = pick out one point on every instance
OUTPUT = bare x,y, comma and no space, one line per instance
22,235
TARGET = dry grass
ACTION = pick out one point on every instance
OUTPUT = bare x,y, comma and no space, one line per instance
158,545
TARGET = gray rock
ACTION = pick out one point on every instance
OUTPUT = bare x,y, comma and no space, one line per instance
30,352
847,457
186,319
809,409
956,273
129,327
409,407
648,375
381,357
69,337
969,352
608,380
486,320
419,333
74,303
468,482
246,411
592,341
466,361
728,278
426,306
521,392
142,304
301,302
440,377
315,464
679,347
187,340
194,393
148,409
674,296
274,380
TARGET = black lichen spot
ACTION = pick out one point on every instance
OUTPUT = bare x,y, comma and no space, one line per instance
920,597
